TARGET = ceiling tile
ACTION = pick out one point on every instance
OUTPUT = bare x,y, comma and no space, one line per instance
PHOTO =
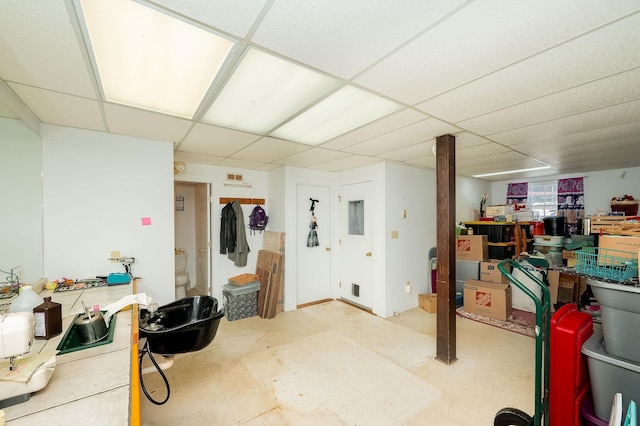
189,157
455,52
145,124
478,151
468,140
601,118
543,74
384,125
424,149
214,140
241,164
347,163
270,150
235,17
602,93
311,157
343,38
53,61
400,138
576,140
61,109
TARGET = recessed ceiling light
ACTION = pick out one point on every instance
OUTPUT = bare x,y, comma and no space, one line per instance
508,172
339,113
264,91
148,59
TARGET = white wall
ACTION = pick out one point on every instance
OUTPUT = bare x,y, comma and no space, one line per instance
21,210
222,267
97,189
599,187
468,195
414,191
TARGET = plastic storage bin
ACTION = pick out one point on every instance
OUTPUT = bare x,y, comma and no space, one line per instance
241,301
620,316
610,375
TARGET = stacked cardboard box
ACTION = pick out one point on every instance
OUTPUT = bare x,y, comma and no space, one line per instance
491,295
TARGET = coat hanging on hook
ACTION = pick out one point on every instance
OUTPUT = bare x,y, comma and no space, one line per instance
312,238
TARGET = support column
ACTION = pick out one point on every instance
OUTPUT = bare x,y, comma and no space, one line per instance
446,248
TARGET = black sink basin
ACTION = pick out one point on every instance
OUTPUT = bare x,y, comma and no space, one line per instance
186,325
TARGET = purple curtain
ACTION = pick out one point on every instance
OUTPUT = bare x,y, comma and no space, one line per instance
517,193
571,202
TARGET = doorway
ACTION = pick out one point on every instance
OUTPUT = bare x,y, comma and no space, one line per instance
357,256
313,268
192,232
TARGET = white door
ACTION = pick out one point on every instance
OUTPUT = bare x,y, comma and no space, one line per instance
313,263
356,256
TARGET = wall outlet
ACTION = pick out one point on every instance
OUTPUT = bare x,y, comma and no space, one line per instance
408,287
115,256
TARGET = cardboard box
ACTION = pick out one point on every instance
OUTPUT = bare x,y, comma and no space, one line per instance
627,244
565,287
428,302
472,247
498,210
489,271
491,300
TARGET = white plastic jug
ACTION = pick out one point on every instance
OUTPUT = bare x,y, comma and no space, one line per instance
26,300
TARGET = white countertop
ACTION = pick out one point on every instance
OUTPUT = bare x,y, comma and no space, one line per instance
88,385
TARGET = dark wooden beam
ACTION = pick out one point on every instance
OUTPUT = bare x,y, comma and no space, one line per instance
446,248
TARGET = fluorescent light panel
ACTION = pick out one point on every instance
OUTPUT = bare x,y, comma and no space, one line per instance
264,91
150,60
532,169
339,113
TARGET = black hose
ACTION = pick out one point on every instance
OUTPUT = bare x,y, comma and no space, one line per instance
145,349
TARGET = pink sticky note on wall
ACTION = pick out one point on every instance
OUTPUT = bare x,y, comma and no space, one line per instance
146,221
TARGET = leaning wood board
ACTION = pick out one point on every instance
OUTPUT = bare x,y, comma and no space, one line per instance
269,268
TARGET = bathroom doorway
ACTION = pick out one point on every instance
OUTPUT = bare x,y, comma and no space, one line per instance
192,232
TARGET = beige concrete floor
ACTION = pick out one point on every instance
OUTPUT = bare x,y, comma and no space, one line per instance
333,364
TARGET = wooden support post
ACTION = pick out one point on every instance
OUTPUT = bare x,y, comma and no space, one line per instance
446,248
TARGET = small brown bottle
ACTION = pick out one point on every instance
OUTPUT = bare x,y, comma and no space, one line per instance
48,319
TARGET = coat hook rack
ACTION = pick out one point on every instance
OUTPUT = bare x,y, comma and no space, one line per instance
226,200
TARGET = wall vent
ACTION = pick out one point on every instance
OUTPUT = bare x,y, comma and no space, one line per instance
355,290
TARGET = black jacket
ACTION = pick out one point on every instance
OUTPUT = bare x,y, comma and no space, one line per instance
227,230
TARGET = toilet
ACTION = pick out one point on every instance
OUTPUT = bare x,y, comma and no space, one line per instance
182,276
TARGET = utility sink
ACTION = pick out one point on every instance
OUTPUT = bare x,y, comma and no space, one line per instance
186,325
71,342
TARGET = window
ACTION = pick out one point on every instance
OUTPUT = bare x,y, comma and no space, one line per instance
543,197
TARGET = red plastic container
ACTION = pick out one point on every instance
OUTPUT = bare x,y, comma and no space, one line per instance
568,369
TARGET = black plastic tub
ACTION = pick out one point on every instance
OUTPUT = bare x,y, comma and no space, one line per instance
186,325
554,226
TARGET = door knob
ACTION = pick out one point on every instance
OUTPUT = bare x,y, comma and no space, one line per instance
327,249
368,254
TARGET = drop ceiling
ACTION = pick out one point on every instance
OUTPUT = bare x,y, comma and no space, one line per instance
519,83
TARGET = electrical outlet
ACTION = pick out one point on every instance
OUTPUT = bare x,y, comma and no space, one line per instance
115,256
408,287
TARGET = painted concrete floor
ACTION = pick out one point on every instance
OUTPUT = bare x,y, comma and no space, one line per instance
333,364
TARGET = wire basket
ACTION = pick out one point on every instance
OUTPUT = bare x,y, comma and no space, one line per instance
616,265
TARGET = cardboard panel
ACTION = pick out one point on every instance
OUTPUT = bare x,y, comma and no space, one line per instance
270,268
